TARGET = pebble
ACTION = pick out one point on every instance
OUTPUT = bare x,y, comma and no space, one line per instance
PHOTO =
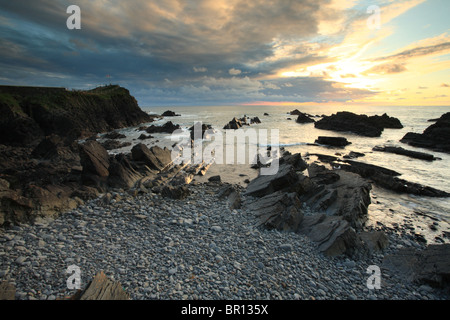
159,248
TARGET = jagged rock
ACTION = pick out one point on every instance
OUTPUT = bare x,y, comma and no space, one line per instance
94,158
168,127
430,265
155,157
284,179
278,210
338,193
122,174
199,129
333,235
303,118
405,152
295,160
435,137
234,124
255,120
360,124
333,141
103,288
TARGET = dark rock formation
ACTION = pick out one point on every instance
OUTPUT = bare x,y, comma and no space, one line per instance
360,124
155,157
388,179
168,127
278,210
303,118
285,179
175,192
31,113
328,194
169,113
94,159
200,128
435,137
234,124
430,266
111,144
333,235
333,141
405,152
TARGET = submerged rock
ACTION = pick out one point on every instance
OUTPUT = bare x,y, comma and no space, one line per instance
405,152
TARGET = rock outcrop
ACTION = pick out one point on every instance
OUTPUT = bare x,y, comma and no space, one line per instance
363,125
333,141
430,265
303,118
31,113
168,127
435,137
405,152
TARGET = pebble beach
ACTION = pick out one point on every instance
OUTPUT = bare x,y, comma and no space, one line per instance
191,249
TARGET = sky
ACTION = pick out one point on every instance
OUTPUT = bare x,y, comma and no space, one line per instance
228,52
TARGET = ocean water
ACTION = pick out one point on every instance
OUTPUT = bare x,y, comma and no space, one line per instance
427,216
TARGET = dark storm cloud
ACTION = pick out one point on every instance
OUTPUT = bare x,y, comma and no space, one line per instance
157,48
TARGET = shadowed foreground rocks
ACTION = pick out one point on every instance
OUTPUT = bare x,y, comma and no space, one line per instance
430,266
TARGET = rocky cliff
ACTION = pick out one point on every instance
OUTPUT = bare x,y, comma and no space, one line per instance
31,113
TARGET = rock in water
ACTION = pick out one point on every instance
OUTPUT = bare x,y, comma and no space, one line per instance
333,141
404,152
360,124
169,113
303,118
168,127
435,137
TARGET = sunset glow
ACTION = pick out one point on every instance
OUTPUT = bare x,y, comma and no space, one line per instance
236,52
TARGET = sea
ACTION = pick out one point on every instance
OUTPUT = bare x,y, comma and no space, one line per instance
426,216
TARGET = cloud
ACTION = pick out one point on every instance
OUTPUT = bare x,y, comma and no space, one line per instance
200,69
445,85
234,71
386,68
